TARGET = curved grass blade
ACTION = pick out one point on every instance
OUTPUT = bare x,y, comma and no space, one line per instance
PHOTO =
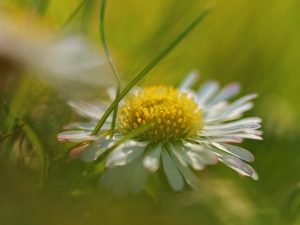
73,14
3,137
112,65
31,135
156,60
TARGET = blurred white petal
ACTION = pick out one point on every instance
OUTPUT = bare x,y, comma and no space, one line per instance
152,158
188,81
76,136
206,92
227,92
239,166
227,130
171,171
71,64
187,174
92,111
235,150
95,149
139,177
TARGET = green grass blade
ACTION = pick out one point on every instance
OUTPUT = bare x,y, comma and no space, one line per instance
31,135
148,68
4,137
73,14
93,165
112,65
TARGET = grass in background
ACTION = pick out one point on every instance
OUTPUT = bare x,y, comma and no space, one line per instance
254,43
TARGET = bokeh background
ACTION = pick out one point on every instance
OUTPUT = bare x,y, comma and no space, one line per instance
255,43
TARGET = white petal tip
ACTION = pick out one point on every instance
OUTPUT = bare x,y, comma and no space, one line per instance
255,176
150,164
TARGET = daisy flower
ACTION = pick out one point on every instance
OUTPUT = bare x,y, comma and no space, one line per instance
187,131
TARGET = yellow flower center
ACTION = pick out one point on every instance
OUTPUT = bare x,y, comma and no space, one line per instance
170,114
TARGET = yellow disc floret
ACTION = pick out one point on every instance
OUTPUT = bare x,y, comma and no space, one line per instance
170,115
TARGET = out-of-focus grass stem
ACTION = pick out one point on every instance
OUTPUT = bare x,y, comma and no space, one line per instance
112,65
73,14
31,135
42,6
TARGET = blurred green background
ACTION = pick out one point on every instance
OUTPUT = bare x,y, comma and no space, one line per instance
256,43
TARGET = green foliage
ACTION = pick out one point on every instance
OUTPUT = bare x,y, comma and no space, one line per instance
252,42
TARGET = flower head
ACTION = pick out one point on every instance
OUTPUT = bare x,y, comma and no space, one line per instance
186,130
172,115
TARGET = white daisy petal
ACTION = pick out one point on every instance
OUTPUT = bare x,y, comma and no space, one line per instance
243,135
225,114
234,139
123,157
123,183
124,179
80,126
171,171
75,152
214,110
236,113
179,154
125,153
139,177
254,174
86,126
95,149
110,176
226,93
188,175
186,156
256,132
206,92
239,166
193,147
245,121
197,162
111,93
94,112
242,101
119,179
227,130
233,110
152,158
188,81
236,151
76,136
207,156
